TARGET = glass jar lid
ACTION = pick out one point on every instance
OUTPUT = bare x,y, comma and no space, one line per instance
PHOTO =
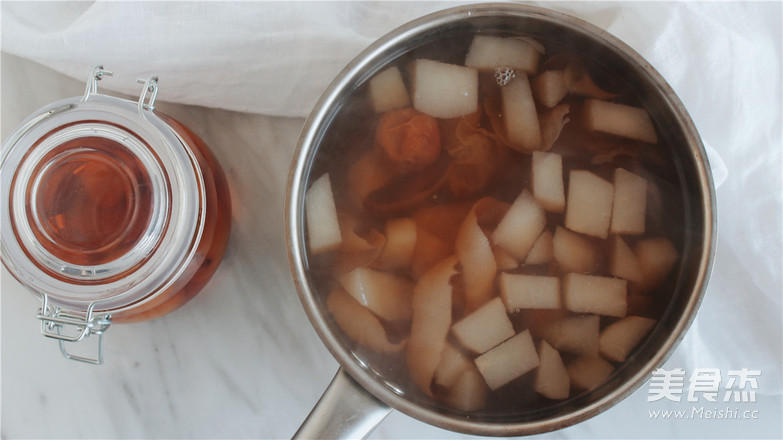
101,201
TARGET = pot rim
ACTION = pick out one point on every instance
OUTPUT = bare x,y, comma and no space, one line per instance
296,245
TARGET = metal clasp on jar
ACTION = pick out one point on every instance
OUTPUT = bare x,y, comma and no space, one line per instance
73,327
96,74
146,99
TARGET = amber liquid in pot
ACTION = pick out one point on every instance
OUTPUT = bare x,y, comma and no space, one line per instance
352,132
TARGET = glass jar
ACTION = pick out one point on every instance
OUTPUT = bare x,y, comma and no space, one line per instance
111,212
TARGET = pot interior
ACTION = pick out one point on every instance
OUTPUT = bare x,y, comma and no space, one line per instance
339,124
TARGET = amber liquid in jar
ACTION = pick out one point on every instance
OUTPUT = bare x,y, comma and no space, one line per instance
91,201
213,242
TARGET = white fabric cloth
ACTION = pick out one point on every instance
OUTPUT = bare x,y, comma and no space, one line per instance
273,58
723,59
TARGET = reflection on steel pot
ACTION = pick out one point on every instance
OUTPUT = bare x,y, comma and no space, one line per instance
436,134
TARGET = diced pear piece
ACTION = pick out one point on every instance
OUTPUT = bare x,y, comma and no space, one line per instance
388,92
656,258
469,392
521,226
552,122
490,211
574,334
520,291
485,328
386,295
549,87
573,252
630,203
487,53
504,259
323,229
551,379
542,250
622,262
451,366
358,323
431,322
478,262
620,338
508,361
444,90
548,189
594,294
400,243
620,120
589,204
521,119
588,373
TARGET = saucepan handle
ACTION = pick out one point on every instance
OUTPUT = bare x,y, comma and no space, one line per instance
345,410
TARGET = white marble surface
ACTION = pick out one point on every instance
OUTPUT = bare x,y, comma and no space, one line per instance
241,360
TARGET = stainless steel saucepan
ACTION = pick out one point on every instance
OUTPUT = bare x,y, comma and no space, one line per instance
360,397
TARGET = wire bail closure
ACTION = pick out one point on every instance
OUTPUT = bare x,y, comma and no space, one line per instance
146,99
54,321
96,74
151,87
